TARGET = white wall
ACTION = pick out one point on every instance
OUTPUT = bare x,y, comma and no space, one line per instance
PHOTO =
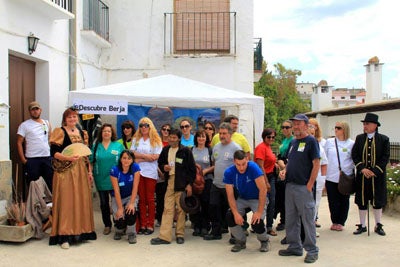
137,51
17,21
388,119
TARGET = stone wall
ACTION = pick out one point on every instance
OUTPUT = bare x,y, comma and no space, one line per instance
5,186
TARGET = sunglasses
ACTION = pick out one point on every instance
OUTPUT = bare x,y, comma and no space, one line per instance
145,125
208,128
185,126
270,136
165,129
338,128
286,127
126,127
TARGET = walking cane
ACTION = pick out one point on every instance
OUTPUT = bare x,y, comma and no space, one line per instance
368,217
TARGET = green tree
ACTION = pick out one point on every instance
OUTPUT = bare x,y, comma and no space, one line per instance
280,96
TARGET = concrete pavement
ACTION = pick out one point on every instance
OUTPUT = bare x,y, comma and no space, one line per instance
336,249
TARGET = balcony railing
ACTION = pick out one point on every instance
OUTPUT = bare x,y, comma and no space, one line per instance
200,32
96,17
258,58
65,4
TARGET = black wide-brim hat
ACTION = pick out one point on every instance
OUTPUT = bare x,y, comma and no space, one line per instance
371,117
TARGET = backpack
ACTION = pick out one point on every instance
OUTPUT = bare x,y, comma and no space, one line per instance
199,181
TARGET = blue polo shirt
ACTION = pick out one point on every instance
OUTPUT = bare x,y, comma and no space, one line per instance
125,180
244,183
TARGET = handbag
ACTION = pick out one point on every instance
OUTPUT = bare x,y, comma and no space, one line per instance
199,182
346,185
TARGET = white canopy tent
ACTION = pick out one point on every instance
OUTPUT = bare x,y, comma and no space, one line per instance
175,91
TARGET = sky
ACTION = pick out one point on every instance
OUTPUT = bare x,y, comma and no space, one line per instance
331,40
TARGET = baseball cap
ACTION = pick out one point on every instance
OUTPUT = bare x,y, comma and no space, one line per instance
300,117
33,105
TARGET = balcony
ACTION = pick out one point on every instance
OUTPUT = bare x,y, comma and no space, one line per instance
258,58
53,9
195,33
96,22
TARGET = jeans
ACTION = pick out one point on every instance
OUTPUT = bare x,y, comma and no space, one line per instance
105,207
338,203
271,201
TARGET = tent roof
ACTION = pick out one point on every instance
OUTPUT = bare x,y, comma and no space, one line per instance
168,90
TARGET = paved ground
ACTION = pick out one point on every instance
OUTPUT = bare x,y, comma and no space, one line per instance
336,249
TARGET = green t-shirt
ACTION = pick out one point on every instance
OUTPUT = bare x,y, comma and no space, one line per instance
128,144
284,146
105,160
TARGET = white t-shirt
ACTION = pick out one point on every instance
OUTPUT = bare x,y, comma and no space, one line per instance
36,138
346,162
147,169
323,161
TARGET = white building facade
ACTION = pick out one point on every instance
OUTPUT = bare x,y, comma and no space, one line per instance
88,43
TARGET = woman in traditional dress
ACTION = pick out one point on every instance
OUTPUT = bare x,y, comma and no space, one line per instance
72,212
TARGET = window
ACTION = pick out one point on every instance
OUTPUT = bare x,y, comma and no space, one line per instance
200,26
95,17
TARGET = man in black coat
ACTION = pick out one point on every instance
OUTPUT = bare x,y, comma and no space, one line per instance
370,154
178,166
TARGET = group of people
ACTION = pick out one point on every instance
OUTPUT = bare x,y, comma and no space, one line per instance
147,173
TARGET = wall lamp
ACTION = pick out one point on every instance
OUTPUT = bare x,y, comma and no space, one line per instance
32,43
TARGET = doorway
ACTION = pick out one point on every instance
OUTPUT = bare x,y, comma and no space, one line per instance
21,93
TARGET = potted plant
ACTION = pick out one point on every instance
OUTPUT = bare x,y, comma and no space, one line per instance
16,208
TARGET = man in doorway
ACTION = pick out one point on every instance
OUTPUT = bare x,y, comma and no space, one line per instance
300,174
370,154
35,133
249,182
238,138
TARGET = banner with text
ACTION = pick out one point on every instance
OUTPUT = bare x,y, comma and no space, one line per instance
101,107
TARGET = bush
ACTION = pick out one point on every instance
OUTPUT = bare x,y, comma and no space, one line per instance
393,181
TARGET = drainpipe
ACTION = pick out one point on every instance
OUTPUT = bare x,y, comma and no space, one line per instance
72,49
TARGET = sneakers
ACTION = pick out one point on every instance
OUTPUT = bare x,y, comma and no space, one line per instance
197,232
239,245
117,236
379,229
107,230
337,227
65,245
212,237
265,246
132,239
360,229
280,227
204,232
288,252
311,258
148,231
272,233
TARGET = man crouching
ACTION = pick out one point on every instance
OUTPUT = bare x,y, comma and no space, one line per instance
248,180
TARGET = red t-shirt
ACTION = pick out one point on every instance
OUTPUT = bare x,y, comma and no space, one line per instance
264,152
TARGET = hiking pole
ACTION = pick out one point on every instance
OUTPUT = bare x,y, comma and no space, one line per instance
368,217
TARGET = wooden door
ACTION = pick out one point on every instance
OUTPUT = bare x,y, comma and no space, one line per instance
22,92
